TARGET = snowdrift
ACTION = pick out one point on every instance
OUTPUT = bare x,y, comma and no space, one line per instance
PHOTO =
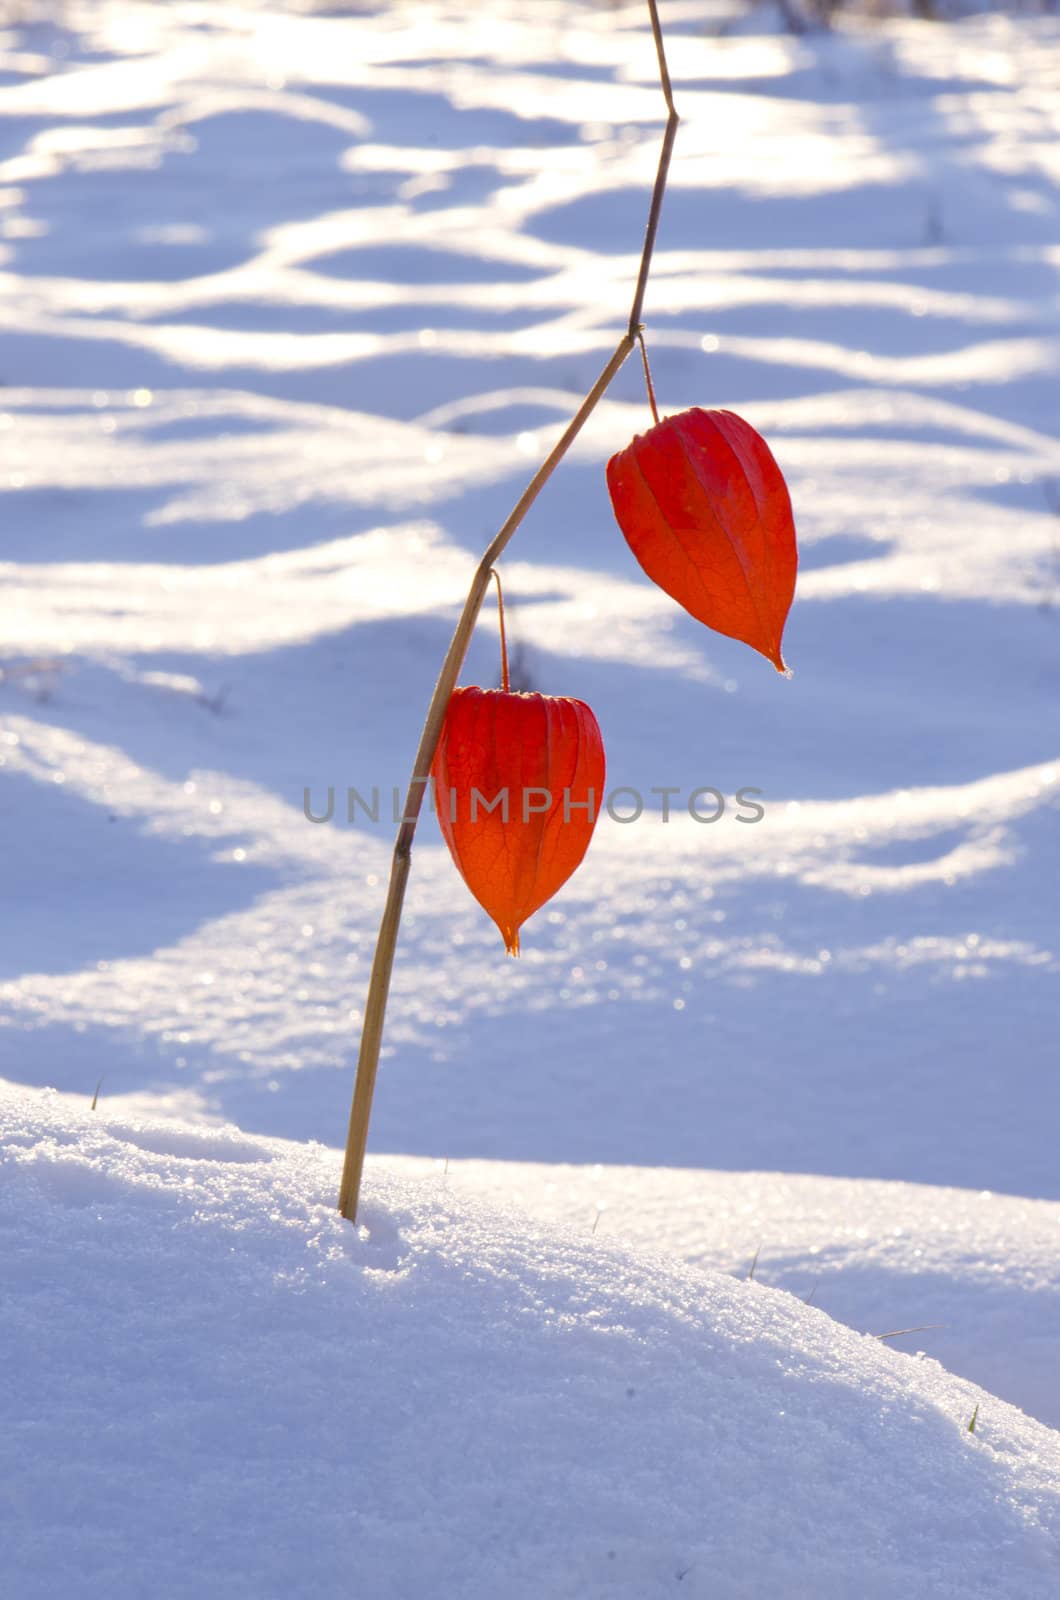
215,1387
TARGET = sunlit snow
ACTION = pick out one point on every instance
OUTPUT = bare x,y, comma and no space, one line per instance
292,303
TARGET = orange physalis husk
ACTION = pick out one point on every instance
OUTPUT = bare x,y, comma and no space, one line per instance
545,754
705,510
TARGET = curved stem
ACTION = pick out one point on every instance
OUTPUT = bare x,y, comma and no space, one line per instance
647,375
383,961
659,189
505,681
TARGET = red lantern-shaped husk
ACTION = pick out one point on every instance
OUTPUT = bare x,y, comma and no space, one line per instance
518,783
705,510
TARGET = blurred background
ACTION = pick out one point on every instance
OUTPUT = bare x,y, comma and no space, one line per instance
294,299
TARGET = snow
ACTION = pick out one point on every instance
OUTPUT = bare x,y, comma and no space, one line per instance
228,1391
968,1277
293,302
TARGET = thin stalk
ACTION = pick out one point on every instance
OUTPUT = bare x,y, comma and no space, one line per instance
383,962
505,680
661,175
647,376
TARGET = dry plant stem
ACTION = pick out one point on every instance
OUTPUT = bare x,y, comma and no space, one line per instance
661,174
505,680
382,965
647,377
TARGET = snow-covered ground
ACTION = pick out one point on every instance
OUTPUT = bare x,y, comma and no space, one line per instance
292,304
215,1387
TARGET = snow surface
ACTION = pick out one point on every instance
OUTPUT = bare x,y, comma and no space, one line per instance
969,1277
227,1391
293,301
